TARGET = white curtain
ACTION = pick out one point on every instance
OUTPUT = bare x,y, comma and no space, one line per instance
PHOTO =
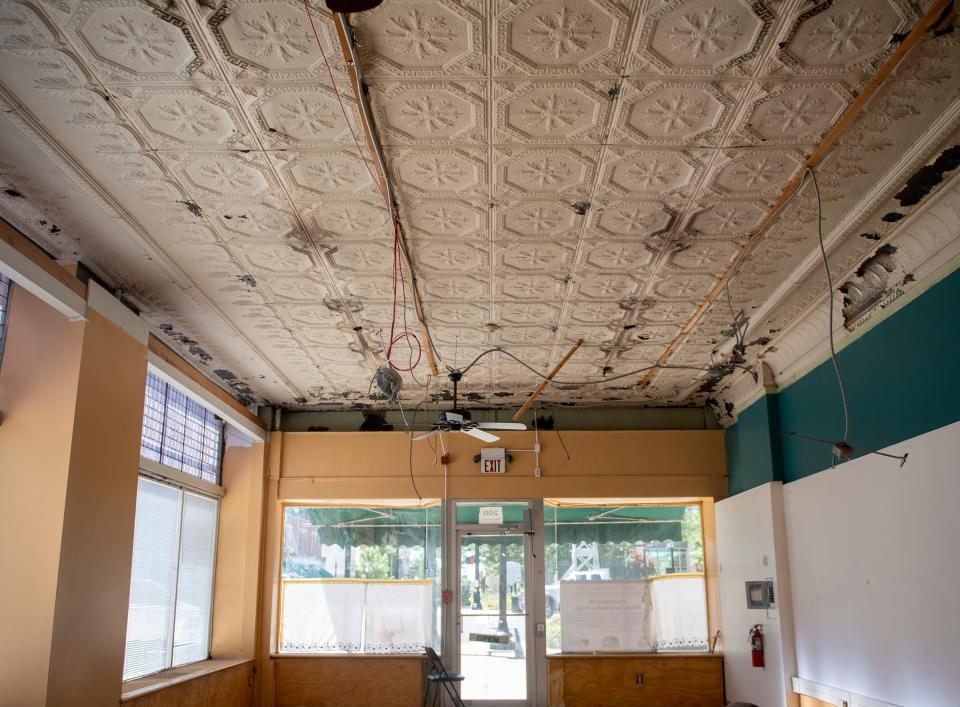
679,613
398,617
350,616
322,617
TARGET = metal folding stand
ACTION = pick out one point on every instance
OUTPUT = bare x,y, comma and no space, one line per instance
439,681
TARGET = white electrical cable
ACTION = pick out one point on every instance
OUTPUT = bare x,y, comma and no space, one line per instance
833,349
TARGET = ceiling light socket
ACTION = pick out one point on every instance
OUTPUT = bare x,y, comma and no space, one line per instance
348,6
389,382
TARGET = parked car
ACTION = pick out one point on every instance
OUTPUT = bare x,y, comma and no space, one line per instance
553,590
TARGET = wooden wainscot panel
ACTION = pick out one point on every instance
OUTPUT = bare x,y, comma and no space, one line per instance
807,701
348,681
648,681
231,686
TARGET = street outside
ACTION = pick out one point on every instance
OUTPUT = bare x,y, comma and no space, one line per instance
493,673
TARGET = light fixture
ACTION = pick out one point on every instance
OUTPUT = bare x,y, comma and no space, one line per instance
350,6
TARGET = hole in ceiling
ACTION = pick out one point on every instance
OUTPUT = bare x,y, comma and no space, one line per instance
927,177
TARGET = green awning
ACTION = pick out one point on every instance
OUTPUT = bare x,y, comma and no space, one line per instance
612,524
420,527
354,527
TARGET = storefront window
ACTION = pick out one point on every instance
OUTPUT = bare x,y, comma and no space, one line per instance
624,578
360,579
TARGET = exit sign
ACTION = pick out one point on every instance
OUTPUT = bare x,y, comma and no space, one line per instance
493,460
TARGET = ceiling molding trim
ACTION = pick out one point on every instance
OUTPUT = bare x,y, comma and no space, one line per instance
893,182
251,428
117,312
928,248
39,279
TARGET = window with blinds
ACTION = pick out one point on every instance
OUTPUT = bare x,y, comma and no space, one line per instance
179,432
171,587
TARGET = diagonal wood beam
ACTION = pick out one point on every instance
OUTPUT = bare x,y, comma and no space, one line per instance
556,369
928,20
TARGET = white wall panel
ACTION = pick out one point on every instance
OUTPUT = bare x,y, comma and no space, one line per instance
876,570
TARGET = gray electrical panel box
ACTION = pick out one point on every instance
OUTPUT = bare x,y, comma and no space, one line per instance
760,594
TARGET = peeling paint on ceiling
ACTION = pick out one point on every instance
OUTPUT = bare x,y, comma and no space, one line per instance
564,169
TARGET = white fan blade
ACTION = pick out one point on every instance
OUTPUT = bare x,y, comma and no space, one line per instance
425,435
480,434
452,417
502,426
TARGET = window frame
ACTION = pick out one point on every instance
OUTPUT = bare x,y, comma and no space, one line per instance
278,598
183,488
620,503
184,482
158,465
6,293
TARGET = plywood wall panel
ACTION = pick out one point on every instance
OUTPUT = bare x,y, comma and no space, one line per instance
232,687
813,702
650,681
348,681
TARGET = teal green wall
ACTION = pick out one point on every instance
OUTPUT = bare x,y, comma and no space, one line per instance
902,378
751,450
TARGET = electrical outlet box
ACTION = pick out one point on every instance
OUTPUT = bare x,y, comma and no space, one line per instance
760,594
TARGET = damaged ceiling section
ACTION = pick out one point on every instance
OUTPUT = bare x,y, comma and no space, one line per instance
562,170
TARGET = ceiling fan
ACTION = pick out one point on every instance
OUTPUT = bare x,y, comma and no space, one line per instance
459,420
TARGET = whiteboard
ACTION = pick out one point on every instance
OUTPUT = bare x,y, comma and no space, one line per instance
609,616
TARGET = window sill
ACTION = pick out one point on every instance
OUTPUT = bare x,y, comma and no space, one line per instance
647,654
175,676
282,656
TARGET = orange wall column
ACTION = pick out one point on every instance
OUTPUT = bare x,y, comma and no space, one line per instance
38,387
72,394
237,579
90,618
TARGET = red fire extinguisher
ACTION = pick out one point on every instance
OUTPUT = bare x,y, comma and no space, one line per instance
756,645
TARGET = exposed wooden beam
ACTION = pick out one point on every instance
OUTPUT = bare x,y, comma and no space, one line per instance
374,145
556,369
926,22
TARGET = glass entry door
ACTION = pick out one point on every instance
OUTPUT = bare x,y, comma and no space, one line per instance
493,617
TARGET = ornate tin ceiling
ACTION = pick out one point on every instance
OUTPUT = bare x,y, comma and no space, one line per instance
564,169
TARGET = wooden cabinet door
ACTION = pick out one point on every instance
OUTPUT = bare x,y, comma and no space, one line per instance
674,681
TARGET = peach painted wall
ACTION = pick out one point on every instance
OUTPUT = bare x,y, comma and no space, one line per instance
38,385
237,581
642,463
324,466
90,619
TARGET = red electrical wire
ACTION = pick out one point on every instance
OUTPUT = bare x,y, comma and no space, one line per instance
405,333
397,251
343,109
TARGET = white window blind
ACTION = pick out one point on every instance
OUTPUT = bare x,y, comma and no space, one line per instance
168,620
195,579
154,579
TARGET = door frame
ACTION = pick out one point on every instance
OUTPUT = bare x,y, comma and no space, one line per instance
534,603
